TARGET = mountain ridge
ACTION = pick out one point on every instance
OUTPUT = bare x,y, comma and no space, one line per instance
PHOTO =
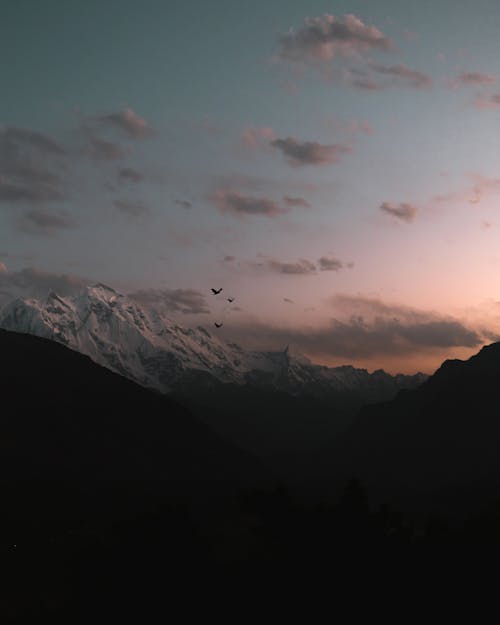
150,348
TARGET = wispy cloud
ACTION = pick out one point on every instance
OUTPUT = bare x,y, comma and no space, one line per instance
102,149
330,264
326,37
403,211
129,122
129,174
183,203
300,153
234,203
488,101
28,160
133,208
296,202
402,75
255,138
472,79
42,221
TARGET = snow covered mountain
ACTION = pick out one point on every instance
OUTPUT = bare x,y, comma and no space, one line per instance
143,344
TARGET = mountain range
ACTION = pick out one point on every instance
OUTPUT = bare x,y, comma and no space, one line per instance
145,345
269,403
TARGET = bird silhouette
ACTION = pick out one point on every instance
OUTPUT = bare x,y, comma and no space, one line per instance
216,291
218,325
230,300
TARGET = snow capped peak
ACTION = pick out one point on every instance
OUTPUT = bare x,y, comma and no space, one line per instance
145,345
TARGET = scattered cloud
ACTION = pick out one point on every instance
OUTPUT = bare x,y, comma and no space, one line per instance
129,174
288,301
300,267
102,149
16,136
326,37
401,75
183,203
229,259
488,101
234,203
36,283
132,208
330,264
472,79
255,138
185,301
296,202
300,153
129,122
41,221
27,162
402,211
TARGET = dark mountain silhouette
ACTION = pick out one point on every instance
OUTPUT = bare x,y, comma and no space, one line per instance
66,419
443,437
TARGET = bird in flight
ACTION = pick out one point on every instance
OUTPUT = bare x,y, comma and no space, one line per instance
216,291
218,325
230,300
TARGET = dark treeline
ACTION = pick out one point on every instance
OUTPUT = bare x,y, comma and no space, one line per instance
70,559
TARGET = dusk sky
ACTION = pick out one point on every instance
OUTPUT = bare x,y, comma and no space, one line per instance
334,166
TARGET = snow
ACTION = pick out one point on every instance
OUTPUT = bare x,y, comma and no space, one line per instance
147,346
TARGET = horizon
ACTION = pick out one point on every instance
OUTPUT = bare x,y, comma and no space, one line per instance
332,166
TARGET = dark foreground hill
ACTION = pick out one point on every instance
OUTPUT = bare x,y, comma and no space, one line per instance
65,419
441,438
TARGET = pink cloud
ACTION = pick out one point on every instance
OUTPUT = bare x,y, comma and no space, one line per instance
254,138
323,38
300,153
236,204
129,122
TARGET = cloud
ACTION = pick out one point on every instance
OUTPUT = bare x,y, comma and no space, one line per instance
368,329
254,138
288,301
17,136
488,101
131,207
41,221
102,149
299,268
129,174
368,84
326,37
402,75
228,259
402,211
330,264
296,202
128,122
26,159
309,152
183,204
3,268
185,301
235,203
36,283
466,79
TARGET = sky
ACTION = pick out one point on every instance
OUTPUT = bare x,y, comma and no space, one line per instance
333,166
